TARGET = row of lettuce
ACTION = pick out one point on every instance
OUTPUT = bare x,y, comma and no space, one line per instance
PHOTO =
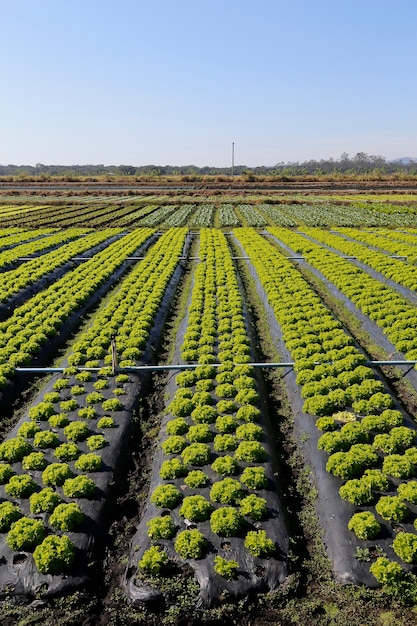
71,438
391,311
32,269
399,270
140,211
40,241
29,328
369,447
213,481
214,445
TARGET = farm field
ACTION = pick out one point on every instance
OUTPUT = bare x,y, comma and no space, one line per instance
208,410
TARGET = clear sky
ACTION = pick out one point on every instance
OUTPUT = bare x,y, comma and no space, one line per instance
176,82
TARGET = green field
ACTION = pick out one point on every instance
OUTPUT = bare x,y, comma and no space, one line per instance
208,410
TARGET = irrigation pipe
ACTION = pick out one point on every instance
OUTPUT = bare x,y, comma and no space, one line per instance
188,366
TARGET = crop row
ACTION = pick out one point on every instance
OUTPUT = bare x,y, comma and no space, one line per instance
313,335
8,212
227,216
104,216
369,446
158,216
382,243
383,305
330,214
213,476
37,216
92,215
26,249
32,324
30,271
275,214
250,216
14,236
399,271
397,235
203,216
119,216
129,316
120,212
180,217
135,215
58,463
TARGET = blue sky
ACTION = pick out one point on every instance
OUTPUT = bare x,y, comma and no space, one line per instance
163,82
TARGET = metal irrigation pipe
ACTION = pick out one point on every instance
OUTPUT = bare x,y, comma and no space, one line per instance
134,368
190,366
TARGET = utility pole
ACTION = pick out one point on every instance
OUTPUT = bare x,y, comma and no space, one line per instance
233,158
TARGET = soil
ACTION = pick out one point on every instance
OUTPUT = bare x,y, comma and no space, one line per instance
283,186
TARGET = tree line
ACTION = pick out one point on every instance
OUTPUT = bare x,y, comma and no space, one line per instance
360,163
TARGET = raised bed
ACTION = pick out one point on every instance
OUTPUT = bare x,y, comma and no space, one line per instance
79,427
202,438
294,305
